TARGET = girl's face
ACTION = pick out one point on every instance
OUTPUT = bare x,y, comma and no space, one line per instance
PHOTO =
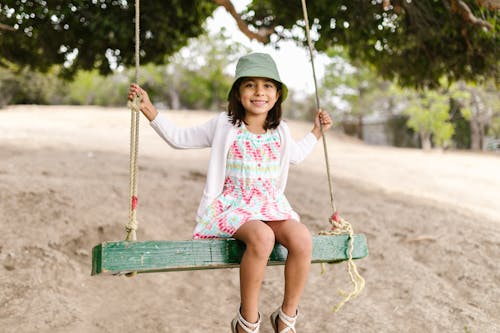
258,95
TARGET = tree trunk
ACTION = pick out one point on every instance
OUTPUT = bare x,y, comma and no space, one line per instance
425,139
360,127
475,135
478,121
175,102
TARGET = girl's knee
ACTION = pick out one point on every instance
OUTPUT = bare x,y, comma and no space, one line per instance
301,242
261,241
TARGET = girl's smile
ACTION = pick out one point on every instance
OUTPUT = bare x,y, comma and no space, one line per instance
258,95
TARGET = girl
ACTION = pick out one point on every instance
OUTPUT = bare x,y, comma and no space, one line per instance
244,192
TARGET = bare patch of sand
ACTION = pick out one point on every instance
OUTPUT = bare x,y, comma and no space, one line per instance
431,219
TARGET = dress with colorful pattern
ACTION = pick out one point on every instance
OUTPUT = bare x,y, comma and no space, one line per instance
250,187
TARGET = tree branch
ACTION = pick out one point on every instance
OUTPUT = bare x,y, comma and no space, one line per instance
489,4
461,8
6,27
386,4
262,35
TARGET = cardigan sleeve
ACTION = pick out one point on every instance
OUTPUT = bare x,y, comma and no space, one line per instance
296,151
200,136
302,148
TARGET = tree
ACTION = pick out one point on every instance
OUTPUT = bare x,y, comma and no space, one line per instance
208,58
89,87
354,85
428,112
196,77
480,106
417,42
8,86
28,87
95,34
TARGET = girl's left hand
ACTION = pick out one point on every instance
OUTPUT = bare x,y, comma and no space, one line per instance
323,119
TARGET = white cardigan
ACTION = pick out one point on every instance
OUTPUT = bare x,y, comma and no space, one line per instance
218,133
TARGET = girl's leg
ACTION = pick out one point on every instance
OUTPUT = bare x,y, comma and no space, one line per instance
259,240
297,239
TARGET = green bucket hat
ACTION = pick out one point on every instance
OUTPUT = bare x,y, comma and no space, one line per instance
258,65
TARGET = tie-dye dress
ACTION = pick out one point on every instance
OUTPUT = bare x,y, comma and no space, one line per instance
250,187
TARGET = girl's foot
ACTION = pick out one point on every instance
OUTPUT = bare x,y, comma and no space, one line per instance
283,323
240,325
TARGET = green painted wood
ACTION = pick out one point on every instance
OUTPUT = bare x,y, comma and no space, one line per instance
122,257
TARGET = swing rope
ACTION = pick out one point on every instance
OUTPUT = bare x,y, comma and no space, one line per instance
134,106
339,226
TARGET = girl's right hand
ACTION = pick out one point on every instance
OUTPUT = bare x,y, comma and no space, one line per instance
146,107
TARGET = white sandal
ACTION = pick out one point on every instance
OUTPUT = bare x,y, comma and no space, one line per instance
244,324
287,320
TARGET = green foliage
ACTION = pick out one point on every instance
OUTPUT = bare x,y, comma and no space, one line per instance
402,135
29,87
354,85
95,34
197,74
89,87
39,88
461,126
196,77
429,117
355,91
8,86
479,104
494,128
416,42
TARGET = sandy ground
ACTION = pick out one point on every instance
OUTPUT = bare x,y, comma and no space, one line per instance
431,219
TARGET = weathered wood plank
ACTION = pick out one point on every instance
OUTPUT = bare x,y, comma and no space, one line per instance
162,256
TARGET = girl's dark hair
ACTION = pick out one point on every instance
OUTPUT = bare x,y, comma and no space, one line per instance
236,111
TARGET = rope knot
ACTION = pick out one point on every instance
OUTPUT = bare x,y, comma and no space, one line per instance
135,103
131,228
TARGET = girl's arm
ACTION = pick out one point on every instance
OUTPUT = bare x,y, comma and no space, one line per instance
300,149
181,138
200,136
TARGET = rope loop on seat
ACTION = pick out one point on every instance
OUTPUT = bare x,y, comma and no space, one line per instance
341,226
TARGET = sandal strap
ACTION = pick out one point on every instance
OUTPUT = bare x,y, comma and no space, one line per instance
248,326
288,321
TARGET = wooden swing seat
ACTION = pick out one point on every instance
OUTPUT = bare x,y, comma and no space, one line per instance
117,258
